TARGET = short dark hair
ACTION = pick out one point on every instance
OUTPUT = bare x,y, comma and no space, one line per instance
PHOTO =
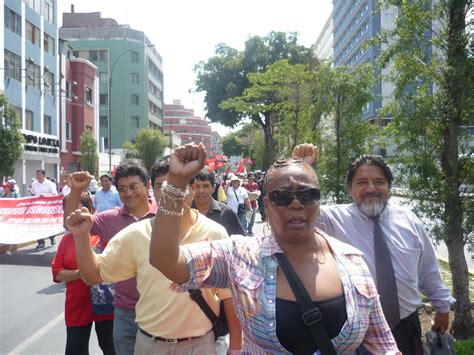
131,168
205,175
161,167
108,176
281,163
366,159
42,171
85,201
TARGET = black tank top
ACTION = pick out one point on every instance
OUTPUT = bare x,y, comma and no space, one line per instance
295,336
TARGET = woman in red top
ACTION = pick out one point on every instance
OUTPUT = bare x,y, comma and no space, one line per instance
78,307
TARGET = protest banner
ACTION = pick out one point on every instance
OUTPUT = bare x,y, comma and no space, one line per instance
30,218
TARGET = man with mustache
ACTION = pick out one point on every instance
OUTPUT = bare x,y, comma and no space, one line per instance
415,266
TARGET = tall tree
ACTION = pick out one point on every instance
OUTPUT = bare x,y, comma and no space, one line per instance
225,76
90,156
11,139
433,104
148,146
340,93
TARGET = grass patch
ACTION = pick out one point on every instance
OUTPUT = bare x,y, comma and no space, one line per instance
464,347
446,275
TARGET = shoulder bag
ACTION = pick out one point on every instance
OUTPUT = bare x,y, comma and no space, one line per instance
102,295
241,208
311,315
219,324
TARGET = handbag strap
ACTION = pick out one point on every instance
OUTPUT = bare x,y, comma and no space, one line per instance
196,296
235,193
311,315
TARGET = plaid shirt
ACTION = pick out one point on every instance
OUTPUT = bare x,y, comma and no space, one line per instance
249,267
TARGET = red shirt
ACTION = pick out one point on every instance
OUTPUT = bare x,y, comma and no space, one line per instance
252,187
78,307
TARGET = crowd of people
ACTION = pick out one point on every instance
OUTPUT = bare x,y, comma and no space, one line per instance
334,279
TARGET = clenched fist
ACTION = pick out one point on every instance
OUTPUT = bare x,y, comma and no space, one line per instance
79,223
307,152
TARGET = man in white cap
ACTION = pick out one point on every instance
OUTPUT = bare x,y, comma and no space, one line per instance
238,200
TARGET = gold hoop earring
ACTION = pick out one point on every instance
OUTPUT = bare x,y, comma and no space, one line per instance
268,228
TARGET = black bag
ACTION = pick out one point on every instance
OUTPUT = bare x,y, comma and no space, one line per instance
439,344
242,208
219,324
102,295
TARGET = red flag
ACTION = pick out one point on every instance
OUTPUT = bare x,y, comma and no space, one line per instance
249,161
241,167
114,170
220,164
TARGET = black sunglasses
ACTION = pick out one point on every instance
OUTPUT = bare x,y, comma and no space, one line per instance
284,197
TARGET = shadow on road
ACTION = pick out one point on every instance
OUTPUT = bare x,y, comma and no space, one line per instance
28,257
52,289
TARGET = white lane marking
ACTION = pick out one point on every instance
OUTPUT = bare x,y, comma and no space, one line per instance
36,336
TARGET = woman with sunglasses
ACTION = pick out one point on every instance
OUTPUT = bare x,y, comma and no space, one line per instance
334,275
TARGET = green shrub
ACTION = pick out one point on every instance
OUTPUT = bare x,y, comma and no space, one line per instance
464,347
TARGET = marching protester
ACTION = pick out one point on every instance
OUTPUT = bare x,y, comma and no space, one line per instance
398,252
254,193
204,202
78,312
332,273
238,199
106,197
168,323
132,184
9,191
43,187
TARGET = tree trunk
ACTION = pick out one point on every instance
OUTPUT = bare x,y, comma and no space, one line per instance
453,214
269,149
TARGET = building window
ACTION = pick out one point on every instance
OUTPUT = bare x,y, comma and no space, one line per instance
68,90
104,77
49,82
134,78
135,100
32,33
135,120
47,124
134,56
103,99
12,64
106,143
89,96
68,131
48,42
29,120
75,54
89,128
12,21
104,122
103,55
47,10
33,75
93,56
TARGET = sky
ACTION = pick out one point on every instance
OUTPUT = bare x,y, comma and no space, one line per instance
186,32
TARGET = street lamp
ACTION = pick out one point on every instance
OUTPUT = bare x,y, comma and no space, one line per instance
110,98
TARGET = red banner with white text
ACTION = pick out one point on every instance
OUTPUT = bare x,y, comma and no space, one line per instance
30,218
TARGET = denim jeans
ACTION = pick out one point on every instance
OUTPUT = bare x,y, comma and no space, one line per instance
125,331
242,220
252,220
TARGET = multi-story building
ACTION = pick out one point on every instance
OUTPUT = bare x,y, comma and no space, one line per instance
78,109
324,46
190,128
355,22
130,75
30,80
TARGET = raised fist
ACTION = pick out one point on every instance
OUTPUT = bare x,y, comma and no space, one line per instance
307,152
79,223
187,161
80,180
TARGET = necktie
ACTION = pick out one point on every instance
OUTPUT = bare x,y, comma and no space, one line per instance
386,284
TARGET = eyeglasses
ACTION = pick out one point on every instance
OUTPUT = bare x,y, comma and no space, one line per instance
132,187
284,197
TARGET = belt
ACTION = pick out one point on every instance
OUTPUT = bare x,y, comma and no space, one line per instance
166,340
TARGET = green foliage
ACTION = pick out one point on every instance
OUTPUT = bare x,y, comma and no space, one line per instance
432,105
464,347
340,93
90,157
148,146
247,142
11,138
227,77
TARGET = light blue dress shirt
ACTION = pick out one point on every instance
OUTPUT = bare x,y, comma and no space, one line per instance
414,261
106,200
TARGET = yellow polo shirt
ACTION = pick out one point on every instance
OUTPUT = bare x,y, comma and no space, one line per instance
160,311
